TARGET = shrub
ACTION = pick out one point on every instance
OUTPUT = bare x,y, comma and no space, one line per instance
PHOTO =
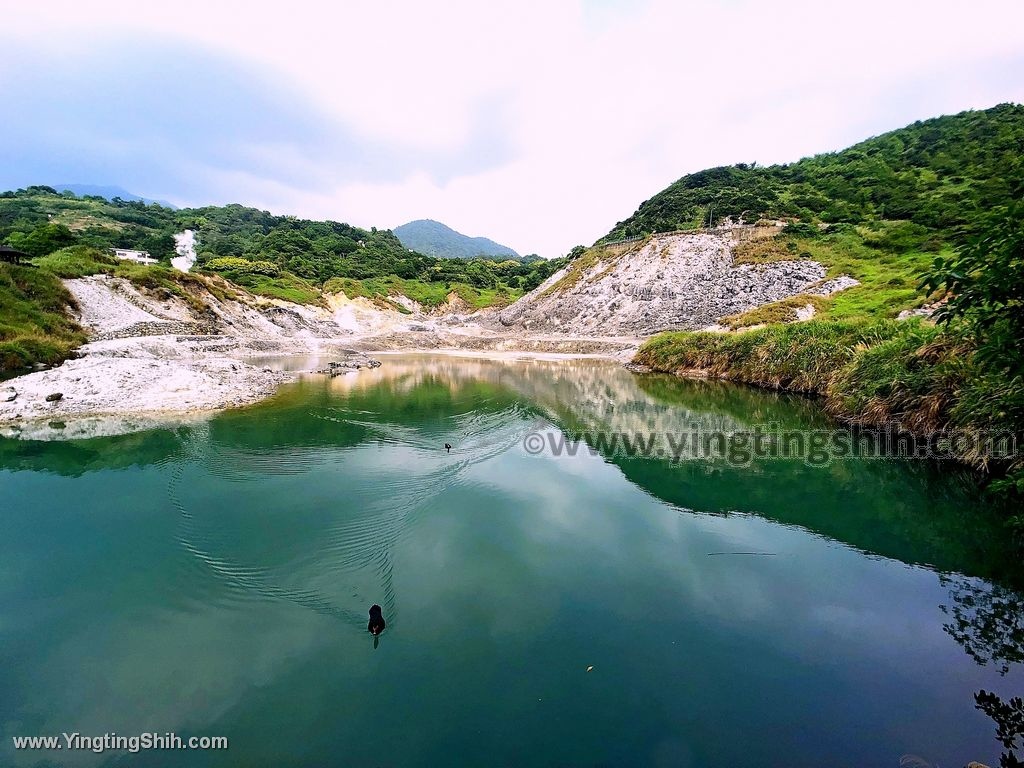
985,284
243,266
36,326
78,261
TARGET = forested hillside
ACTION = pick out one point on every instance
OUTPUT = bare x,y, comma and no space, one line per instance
938,175
436,239
280,256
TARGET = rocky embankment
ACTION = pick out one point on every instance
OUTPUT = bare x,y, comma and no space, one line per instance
156,356
681,281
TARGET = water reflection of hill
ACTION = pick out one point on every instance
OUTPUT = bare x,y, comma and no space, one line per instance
912,511
909,511
74,458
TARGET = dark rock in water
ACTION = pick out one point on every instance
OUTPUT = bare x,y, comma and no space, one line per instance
54,397
57,425
6,395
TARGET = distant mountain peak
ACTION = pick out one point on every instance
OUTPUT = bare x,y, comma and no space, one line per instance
108,192
436,239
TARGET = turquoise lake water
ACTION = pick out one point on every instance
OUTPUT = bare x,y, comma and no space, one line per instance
214,579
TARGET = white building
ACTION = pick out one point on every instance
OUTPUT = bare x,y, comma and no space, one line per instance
140,257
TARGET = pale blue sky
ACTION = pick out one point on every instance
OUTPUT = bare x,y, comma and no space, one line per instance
536,124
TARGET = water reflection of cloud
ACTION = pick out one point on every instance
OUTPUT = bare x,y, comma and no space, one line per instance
496,558
160,670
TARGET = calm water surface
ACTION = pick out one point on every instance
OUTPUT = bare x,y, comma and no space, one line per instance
215,579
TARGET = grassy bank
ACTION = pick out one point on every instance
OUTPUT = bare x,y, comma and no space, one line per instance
34,324
885,257
285,286
81,261
870,373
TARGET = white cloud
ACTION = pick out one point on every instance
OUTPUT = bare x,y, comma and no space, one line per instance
600,105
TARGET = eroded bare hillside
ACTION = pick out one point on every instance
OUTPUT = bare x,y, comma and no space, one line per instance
671,281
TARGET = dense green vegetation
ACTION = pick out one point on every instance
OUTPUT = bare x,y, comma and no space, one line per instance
938,174
436,239
288,257
985,285
37,220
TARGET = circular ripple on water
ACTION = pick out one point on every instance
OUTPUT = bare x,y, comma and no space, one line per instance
334,559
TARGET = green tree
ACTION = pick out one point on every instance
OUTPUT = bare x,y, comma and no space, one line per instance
985,284
43,239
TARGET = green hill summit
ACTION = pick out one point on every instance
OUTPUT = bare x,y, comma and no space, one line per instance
436,239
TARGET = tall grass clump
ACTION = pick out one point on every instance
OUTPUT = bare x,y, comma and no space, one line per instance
35,325
801,357
918,376
910,377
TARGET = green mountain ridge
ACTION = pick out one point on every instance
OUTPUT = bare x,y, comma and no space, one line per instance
436,239
937,174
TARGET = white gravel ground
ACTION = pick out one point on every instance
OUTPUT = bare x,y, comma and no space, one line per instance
102,309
